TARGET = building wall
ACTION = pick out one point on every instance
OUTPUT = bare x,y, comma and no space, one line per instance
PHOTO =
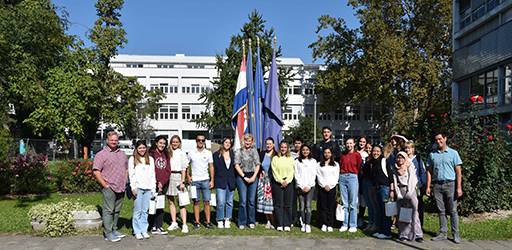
183,78
482,57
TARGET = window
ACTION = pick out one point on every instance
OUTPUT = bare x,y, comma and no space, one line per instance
308,91
464,92
164,87
185,90
163,113
173,89
508,84
195,89
352,113
173,112
153,86
477,85
491,87
296,90
185,113
289,90
338,115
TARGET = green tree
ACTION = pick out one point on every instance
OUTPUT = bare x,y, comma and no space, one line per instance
32,41
304,130
219,100
399,57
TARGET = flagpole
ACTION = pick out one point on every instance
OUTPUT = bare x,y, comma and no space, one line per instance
243,48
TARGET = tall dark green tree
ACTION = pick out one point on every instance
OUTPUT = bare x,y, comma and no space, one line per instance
399,57
219,100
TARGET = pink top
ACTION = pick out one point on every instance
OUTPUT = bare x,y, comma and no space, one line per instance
113,166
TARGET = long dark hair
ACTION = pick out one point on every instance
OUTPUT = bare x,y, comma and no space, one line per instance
221,149
301,156
154,148
330,160
136,156
273,153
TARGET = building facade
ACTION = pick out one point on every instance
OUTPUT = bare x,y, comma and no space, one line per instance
482,56
183,78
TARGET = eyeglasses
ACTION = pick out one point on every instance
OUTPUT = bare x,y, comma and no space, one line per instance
200,140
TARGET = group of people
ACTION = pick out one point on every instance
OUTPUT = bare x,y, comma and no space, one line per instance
281,182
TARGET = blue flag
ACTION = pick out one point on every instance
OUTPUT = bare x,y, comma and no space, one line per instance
272,105
259,96
251,102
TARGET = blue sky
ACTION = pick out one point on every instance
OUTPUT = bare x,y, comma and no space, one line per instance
204,27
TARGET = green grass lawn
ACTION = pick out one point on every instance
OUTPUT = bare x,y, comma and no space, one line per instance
14,219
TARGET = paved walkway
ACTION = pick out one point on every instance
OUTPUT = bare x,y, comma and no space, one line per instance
237,242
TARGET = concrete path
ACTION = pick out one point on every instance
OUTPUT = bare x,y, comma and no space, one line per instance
235,242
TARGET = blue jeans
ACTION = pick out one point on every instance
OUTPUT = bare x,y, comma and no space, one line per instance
140,211
247,199
224,204
202,187
349,189
382,222
370,199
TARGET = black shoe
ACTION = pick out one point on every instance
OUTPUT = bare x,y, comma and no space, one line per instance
419,240
209,225
402,239
197,225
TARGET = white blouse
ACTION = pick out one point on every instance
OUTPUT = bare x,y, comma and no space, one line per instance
305,173
328,175
179,160
142,175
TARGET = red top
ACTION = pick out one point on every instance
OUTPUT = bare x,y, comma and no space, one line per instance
350,163
162,167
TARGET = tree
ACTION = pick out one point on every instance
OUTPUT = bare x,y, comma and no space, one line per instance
304,130
399,57
32,41
219,100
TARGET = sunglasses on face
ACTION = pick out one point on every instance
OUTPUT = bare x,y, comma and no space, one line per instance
200,140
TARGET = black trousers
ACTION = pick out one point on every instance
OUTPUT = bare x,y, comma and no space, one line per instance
282,199
326,206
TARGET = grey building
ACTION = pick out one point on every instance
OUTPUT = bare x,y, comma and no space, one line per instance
482,58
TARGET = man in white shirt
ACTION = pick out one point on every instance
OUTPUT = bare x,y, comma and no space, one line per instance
201,162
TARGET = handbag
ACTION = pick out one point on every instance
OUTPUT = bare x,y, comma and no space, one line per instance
213,200
391,208
405,215
183,198
160,201
192,191
152,206
340,212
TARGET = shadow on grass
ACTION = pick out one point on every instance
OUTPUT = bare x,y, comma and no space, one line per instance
27,200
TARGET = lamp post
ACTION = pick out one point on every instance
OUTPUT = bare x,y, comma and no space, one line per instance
314,114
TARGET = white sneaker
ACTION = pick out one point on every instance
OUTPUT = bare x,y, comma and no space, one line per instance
376,235
280,229
139,237
145,235
330,229
352,230
184,229
287,229
241,227
303,228
308,229
324,228
343,229
227,224
220,224
269,225
252,226
173,226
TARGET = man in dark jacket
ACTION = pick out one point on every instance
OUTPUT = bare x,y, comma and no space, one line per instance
327,142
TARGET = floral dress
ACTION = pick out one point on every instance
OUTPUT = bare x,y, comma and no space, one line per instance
264,190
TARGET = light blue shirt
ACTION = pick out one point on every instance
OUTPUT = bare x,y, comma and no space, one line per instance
266,163
443,164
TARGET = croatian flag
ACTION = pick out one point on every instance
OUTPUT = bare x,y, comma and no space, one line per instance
238,118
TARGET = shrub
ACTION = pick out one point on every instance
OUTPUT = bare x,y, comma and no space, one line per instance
29,174
76,176
58,217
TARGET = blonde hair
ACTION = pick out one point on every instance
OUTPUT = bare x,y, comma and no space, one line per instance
248,136
288,154
170,141
388,149
410,143
111,133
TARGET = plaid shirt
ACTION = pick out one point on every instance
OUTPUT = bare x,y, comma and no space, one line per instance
113,166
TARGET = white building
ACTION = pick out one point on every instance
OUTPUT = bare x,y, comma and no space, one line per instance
183,78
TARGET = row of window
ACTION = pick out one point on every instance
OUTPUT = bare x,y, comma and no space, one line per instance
168,66
170,112
469,14
486,85
173,89
296,90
